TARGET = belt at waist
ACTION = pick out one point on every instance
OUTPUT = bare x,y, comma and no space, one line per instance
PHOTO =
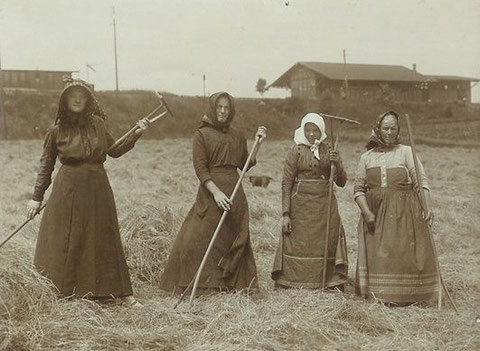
309,176
393,188
223,169
311,183
84,165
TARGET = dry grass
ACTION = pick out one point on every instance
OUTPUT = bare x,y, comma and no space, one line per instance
154,186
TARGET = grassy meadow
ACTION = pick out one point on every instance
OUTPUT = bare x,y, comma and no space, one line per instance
154,187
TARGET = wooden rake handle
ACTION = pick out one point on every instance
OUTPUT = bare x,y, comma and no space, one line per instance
152,117
196,279
22,225
331,179
423,203
252,154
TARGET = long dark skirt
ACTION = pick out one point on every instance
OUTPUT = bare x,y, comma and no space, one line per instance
395,263
79,246
300,258
230,265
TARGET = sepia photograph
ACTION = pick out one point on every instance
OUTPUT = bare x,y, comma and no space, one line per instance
240,175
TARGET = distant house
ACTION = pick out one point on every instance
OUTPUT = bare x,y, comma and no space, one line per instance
33,80
313,80
450,88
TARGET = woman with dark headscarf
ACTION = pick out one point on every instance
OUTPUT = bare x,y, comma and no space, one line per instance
300,256
395,260
218,152
78,246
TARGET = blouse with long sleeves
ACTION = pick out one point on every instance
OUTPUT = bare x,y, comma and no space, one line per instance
380,162
301,164
75,143
215,148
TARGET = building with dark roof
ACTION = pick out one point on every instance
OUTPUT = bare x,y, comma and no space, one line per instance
314,80
33,80
450,88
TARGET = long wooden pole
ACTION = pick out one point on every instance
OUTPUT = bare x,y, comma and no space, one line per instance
115,48
133,129
255,147
163,104
331,179
22,225
423,203
184,293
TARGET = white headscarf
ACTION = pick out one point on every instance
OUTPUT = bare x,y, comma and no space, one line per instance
300,137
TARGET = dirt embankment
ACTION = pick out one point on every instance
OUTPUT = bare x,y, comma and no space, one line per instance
28,115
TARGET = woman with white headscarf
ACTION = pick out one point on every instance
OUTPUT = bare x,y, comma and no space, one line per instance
300,256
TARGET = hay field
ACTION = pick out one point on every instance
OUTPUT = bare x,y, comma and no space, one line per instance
154,186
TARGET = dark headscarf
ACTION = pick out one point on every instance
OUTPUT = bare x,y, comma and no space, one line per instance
210,118
375,139
91,109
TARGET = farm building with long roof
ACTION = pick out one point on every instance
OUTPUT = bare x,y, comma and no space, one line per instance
33,80
313,80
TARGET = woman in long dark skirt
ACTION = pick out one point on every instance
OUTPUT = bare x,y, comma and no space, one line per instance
219,151
299,260
78,246
395,259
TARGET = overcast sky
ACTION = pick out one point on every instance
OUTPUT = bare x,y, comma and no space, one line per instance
169,45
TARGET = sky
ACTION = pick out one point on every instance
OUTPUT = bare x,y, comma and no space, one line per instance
169,45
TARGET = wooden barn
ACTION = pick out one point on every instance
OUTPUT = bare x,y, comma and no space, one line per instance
315,80
33,80
450,88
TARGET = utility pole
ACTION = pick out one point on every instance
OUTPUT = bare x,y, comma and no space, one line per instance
115,47
347,92
3,125
204,87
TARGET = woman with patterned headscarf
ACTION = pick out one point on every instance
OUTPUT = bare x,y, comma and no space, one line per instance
395,261
78,246
299,260
219,151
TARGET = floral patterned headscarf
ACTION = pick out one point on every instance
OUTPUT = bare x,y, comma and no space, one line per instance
375,139
93,108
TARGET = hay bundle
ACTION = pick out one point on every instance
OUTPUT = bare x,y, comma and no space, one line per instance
148,234
22,289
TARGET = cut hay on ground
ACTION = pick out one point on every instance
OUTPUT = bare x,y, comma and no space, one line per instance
154,187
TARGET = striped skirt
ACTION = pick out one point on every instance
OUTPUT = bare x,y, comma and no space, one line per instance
395,263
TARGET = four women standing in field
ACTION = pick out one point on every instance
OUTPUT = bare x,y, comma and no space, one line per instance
80,250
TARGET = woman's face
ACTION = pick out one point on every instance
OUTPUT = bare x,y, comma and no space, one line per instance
223,109
312,132
76,99
389,129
